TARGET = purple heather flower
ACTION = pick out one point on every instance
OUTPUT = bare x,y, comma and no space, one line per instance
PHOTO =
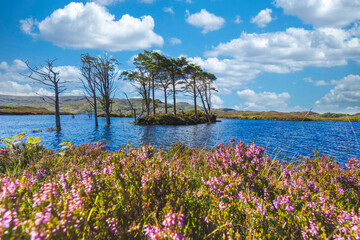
222,205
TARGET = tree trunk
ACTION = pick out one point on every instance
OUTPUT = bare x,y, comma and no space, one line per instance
207,99
153,93
206,111
57,108
107,110
196,115
95,111
165,100
148,100
174,97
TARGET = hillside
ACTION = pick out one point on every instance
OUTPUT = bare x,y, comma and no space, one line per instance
79,104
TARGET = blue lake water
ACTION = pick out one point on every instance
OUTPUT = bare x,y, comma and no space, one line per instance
291,139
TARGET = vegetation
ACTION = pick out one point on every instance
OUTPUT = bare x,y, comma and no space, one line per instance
181,118
230,192
293,116
8,110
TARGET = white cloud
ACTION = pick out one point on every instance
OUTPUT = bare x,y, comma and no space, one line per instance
320,13
216,101
263,18
175,41
147,1
12,82
345,95
262,101
237,19
240,60
106,2
205,20
91,26
69,74
321,83
14,88
28,26
229,72
225,91
308,79
169,10
316,83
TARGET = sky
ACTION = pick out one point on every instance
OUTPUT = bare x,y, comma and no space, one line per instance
282,55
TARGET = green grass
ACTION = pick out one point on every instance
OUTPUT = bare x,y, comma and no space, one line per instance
292,116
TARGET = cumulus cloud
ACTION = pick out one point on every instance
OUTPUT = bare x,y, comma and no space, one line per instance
106,2
240,60
216,101
175,41
263,18
205,20
320,13
91,26
344,95
262,101
169,10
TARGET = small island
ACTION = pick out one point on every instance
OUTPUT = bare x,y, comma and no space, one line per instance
182,118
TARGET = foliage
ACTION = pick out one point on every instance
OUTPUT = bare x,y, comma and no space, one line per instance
18,154
233,191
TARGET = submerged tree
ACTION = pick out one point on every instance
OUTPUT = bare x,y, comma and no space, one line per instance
89,82
105,72
48,76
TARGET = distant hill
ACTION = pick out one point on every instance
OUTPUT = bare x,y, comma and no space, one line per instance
79,104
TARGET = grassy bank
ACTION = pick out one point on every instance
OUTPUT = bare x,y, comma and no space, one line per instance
25,110
292,116
182,118
231,192
7,110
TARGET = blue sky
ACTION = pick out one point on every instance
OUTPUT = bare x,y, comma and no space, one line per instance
284,55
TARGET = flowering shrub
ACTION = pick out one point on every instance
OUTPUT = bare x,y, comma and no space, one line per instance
232,191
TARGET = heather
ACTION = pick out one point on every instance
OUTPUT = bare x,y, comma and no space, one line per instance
233,191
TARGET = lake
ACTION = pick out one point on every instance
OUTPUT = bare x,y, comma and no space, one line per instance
291,139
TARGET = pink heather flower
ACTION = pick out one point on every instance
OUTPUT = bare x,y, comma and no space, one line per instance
222,205
290,208
106,171
206,219
169,219
6,219
313,229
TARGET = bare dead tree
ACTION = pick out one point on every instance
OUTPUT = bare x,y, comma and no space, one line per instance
89,82
131,106
106,75
50,78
